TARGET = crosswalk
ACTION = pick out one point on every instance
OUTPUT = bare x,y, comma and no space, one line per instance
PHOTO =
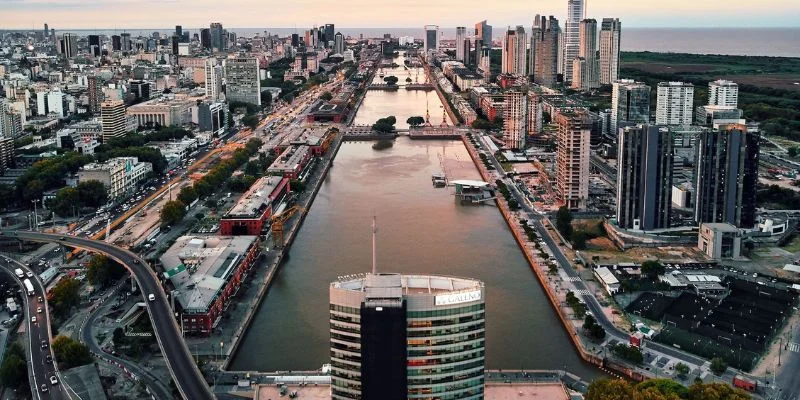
792,346
584,292
573,278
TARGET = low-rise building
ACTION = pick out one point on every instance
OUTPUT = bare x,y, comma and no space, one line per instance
251,213
607,279
291,163
162,112
119,175
206,272
720,241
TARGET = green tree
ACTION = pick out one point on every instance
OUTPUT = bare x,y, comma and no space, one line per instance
792,151
415,121
102,270
251,121
7,197
578,239
630,353
384,125
65,201
327,96
297,185
92,193
715,391
390,80
173,212
64,295
661,389
409,80
682,370
564,221
70,353
718,365
14,371
610,389
187,195
653,268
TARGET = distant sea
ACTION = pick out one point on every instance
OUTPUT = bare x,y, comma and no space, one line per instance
776,42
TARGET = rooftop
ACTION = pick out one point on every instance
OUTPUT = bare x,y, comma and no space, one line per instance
256,198
290,159
390,284
199,266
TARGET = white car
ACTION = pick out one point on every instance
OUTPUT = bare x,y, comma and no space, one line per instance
151,297
53,380
33,318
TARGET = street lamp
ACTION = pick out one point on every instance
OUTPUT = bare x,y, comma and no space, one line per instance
35,222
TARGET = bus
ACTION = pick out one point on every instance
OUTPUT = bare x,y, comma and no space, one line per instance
28,286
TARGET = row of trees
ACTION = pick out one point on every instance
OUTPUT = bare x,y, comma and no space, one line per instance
70,200
661,389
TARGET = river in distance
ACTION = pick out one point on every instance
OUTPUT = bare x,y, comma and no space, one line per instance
421,229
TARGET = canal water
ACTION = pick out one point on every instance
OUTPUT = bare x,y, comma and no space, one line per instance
421,229
401,103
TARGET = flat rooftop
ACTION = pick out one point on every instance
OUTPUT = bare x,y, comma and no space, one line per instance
526,390
253,202
200,266
290,159
394,284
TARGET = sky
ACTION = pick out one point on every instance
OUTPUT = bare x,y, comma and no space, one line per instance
117,14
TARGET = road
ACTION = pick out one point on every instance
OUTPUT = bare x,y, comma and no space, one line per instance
156,387
182,366
39,369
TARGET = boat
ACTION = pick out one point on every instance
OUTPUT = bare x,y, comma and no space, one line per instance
439,180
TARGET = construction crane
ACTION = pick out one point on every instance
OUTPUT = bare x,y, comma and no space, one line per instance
277,221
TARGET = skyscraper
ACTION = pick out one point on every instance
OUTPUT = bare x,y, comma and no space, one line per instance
112,117
586,76
94,45
178,31
116,43
644,177
576,12
727,175
383,328
484,32
515,118
431,39
461,37
574,129
94,93
544,50
675,103
630,102
218,39
338,43
610,36
205,38
70,45
330,35
723,93
242,81
46,30
515,44
125,42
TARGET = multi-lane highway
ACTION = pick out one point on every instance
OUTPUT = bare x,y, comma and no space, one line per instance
41,365
186,375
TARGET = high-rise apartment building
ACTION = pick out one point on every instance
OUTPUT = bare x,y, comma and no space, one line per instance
125,42
94,93
397,337
213,78
723,93
727,175
205,38
338,43
431,38
219,39
644,177
112,116
483,31
515,119
461,37
610,36
574,130
514,56
10,121
585,68
543,60
675,103
576,12
630,102
242,80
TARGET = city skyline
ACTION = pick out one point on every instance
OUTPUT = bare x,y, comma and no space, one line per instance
77,14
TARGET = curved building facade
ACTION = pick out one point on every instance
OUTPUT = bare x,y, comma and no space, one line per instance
399,336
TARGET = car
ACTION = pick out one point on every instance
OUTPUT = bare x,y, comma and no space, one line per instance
48,358
29,274
53,380
135,261
45,344
40,299
151,297
39,310
33,318
44,387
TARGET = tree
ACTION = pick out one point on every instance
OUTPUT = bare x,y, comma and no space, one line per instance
652,268
481,123
792,151
661,389
390,80
173,212
578,239
415,121
66,199
327,96
718,365
14,371
715,391
409,80
187,195
564,221
266,99
101,270
610,389
251,121
682,370
92,193
70,353
297,185
64,295
630,353
384,125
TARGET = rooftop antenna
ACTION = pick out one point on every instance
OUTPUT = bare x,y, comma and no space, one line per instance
374,231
